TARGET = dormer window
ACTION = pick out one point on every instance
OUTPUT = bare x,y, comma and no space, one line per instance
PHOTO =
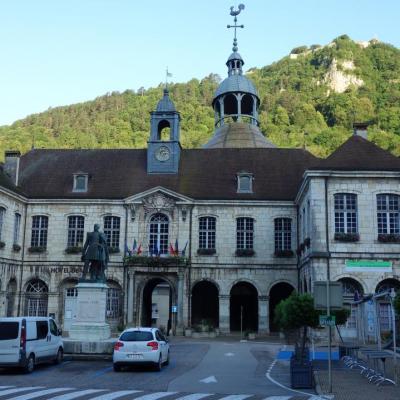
245,182
80,182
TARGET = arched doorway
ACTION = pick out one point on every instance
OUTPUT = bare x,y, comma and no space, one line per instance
384,307
11,295
158,297
36,298
278,292
243,308
205,304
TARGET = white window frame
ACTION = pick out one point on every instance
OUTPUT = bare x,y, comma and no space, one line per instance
245,233
207,232
17,227
158,234
2,217
75,187
112,230
247,176
76,229
283,237
41,229
388,220
345,214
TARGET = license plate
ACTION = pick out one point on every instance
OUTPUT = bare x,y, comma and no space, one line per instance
135,356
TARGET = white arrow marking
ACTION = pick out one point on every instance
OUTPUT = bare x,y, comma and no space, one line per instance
210,379
229,354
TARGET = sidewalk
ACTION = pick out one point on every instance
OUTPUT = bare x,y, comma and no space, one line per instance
349,384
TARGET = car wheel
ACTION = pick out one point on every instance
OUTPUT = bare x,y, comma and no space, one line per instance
167,360
158,365
117,368
30,364
59,356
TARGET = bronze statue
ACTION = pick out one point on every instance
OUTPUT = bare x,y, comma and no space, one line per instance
95,255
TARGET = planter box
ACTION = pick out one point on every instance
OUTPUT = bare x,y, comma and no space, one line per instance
346,237
301,374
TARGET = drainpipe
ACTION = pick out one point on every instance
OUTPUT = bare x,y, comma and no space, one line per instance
190,269
328,278
126,285
298,241
22,261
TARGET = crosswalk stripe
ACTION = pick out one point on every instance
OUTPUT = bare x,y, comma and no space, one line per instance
74,395
40,393
278,398
114,395
154,396
236,397
17,390
194,396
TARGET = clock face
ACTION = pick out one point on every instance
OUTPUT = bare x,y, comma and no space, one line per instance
163,153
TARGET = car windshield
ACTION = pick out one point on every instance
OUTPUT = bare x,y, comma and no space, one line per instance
136,336
8,330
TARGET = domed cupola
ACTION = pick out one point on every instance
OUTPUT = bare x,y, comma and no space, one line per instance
235,104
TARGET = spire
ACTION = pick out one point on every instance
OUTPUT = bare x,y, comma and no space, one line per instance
235,61
234,14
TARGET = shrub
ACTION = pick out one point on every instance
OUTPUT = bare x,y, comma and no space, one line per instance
299,50
389,238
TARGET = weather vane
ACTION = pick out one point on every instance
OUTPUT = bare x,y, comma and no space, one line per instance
167,75
235,13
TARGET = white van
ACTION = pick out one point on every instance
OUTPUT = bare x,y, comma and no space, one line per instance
26,341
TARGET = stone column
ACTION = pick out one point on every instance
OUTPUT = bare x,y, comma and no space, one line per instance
179,322
224,322
131,296
263,315
222,110
239,106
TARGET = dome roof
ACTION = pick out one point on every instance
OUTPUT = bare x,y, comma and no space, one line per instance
238,135
235,83
165,104
235,56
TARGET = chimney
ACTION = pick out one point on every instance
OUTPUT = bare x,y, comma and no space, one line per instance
11,164
360,129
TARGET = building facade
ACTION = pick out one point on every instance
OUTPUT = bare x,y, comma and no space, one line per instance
210,238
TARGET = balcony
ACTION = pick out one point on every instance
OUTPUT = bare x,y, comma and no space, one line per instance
152,261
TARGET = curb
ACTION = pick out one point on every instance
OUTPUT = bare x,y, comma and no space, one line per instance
87,357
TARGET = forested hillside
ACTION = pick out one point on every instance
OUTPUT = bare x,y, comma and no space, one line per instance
309,98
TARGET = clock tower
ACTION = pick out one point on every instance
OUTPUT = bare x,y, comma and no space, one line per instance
163,153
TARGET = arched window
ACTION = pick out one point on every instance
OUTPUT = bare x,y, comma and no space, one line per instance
159,229
76,226
351,290
385,312
345,213
36,299
388,213
283,234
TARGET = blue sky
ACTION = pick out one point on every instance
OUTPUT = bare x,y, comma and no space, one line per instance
59,52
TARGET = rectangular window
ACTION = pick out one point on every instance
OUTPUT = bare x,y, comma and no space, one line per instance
345,213
244,233
388,213
39,231
385,317
2,214
76,226
112,231
113,303
80,183
17,225
207,233
283,234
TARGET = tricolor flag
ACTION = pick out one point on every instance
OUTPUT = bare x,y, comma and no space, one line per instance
184,249
139,250
134,246
171,250
176,248
127,251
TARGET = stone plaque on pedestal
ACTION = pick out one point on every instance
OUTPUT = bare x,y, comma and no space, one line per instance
90,322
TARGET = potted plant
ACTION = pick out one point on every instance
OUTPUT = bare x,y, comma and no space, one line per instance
244,252
389,238
295,315
346,237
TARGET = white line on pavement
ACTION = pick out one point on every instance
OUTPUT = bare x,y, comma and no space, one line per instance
17,390
74,395
154,396
114,395
278,398
236,397
195,396
40,393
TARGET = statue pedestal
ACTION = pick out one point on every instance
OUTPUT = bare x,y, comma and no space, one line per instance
90,323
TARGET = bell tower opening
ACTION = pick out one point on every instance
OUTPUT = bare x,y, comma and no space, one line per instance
164,130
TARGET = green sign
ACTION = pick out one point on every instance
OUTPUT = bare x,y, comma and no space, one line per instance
368,266
324,320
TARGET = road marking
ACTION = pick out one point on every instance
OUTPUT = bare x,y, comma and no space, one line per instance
209,379
195,396
154,396
17,390
114,395
236,397
278,398
74,395
6,387
229,354
40,393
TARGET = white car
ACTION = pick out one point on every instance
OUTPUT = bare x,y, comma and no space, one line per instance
141,346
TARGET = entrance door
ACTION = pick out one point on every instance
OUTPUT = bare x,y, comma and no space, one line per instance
70,307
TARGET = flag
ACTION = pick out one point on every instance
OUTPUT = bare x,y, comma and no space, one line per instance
171,250
127,250
176,247
134,246
169,75
184,249
139,250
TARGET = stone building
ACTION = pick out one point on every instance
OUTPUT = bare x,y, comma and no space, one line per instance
223,232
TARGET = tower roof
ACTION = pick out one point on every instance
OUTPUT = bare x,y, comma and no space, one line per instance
236,84
165,104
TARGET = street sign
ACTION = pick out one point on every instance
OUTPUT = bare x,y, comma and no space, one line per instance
174,309
324,320
368,266
320,297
